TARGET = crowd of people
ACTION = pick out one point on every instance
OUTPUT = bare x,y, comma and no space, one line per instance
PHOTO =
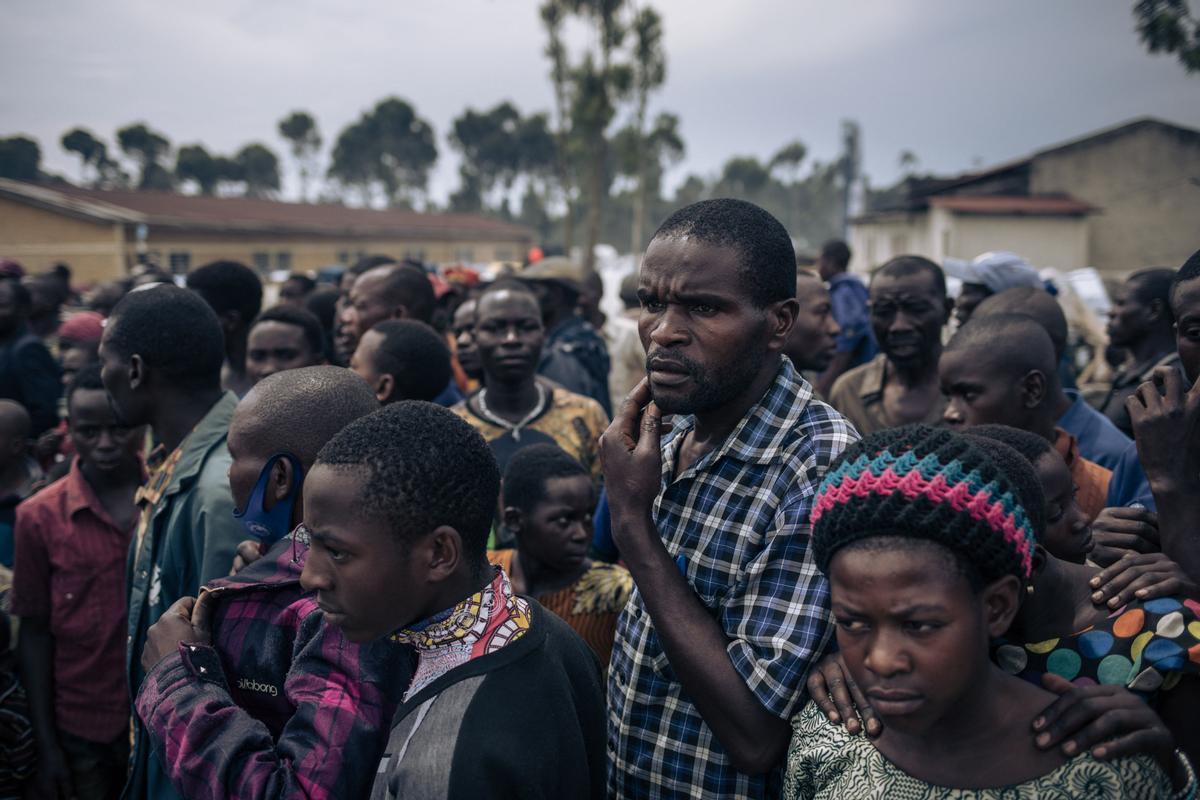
774,531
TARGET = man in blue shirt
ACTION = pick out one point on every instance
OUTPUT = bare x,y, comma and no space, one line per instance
848,295
1098,438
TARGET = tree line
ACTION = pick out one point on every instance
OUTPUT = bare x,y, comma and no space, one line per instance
589,169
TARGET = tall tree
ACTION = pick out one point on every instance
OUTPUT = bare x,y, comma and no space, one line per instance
908,162
468,197
148,148
259,169
92,152
649,73
300,129
194,163
1168,26
351,162
643,158
488,141
600,83
554,13
20,158
388,147
229,175
786,163
744,176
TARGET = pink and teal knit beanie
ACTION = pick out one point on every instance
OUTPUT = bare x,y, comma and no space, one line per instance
931,483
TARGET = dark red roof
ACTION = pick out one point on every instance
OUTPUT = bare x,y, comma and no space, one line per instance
1035,205
193,212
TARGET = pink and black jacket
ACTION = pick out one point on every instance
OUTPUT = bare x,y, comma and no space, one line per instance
281,704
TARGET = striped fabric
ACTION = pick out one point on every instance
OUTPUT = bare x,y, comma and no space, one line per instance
942,483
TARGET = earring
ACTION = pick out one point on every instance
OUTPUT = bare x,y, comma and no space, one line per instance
1029,589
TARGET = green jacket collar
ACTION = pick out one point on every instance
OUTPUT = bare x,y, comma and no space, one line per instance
208,433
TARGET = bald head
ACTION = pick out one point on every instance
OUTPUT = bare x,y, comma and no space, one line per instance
1035,303
299,410
509,294
1009,343
1000,370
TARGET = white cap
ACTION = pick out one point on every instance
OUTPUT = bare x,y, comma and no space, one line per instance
998,270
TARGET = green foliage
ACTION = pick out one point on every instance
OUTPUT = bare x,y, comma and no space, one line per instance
259,168
388,148
300,130
1167,26
194,163
148,148
20,158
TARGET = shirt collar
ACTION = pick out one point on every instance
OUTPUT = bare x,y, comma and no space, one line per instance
1076,415
759,436
466,622
80,495
873,375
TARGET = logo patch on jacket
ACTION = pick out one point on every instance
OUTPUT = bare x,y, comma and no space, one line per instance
252,685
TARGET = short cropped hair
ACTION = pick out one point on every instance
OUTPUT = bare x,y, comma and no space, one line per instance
1031,446
422,466
22,299
409,286
1188,272
86,378
300,410
768,260
299,277
415,356
1154,284
837,252
901,266
228,286
175,332
1015,342
1035,303
314,333
370,262
530,468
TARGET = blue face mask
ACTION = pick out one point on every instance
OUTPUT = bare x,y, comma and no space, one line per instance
271,526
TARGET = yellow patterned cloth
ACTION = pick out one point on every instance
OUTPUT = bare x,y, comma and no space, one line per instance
590,605
571,421
160,468
483,623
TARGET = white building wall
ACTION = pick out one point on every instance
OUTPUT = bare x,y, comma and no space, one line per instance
1060,242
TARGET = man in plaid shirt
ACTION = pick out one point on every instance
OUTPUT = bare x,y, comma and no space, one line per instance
730,612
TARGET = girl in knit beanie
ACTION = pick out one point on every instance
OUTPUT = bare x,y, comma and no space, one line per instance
928,544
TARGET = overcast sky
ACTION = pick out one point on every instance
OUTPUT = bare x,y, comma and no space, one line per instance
955,82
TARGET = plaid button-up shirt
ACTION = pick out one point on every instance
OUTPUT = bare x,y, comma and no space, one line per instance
736,522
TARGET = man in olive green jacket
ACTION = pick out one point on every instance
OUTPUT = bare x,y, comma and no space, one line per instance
162,353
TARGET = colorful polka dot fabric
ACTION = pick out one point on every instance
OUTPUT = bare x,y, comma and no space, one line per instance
1145,647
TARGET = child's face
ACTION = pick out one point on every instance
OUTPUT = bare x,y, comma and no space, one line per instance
1068,533
368,582
98,438
558,530
912,631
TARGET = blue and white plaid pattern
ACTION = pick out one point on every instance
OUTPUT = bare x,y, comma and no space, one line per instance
737,523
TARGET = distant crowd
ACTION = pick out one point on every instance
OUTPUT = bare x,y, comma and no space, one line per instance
775,530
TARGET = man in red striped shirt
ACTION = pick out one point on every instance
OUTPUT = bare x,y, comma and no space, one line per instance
72,539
